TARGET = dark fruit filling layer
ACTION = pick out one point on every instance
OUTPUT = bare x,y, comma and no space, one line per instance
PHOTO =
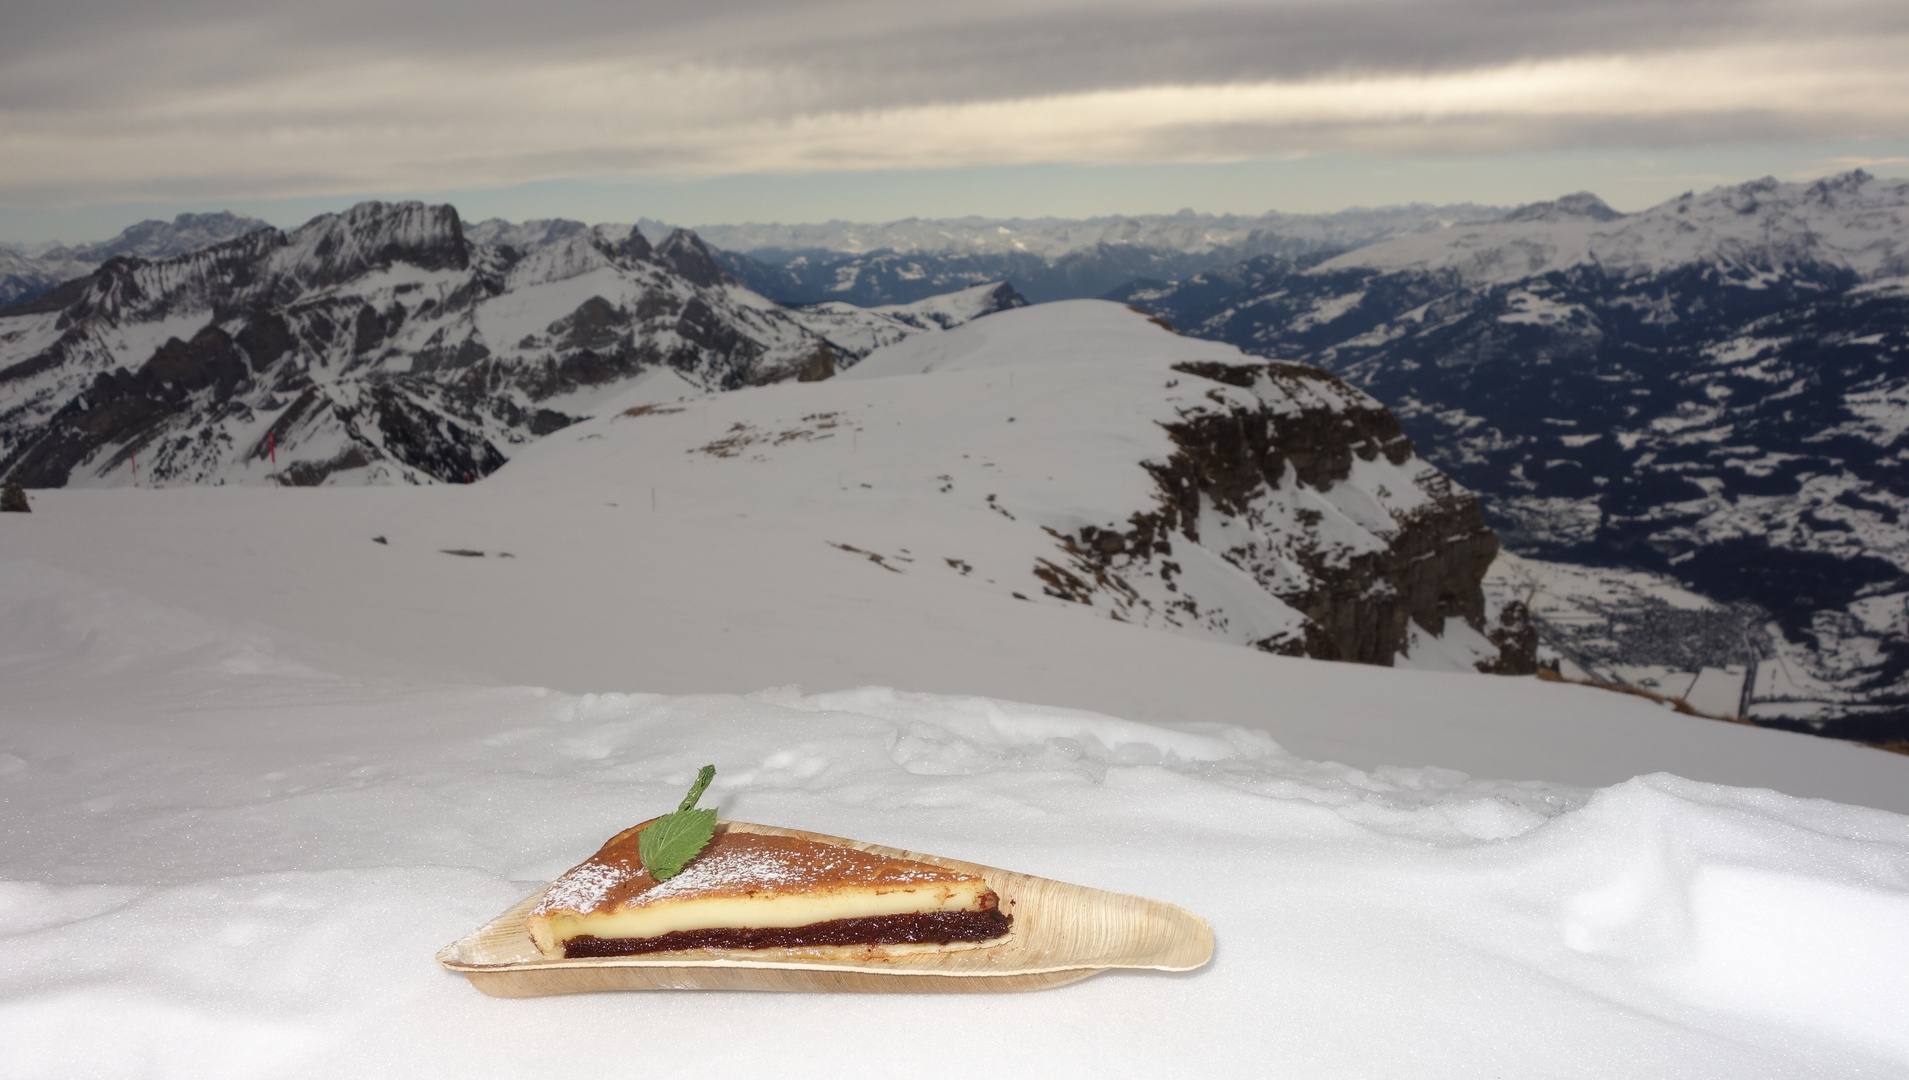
931,928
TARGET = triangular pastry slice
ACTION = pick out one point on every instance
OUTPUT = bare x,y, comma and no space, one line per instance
756,891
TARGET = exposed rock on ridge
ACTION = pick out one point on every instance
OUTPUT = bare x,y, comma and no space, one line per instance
1306,429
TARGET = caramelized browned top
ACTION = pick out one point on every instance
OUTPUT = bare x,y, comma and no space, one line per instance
734,864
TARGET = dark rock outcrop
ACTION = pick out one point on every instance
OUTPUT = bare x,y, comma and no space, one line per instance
684,253
819,366
1303,430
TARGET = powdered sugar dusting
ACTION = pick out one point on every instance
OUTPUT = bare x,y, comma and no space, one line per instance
583,887
734,864
752,867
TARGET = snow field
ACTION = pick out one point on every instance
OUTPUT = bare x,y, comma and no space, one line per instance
246,865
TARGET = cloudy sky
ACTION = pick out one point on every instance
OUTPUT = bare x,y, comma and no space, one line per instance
727,110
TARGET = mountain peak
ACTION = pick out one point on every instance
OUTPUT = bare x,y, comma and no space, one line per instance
1829,187
336,247
1578,206
684,252
154,239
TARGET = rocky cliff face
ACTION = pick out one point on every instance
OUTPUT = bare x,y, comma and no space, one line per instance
377,344
1305,430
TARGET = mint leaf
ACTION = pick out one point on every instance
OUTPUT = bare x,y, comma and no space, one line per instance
670,841
674,839
703,776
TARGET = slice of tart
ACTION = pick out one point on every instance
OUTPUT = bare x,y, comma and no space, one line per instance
748,890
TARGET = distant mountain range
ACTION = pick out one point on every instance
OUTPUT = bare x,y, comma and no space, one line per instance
1715,389
867,265
1713,392
26,274
1043,258
384,344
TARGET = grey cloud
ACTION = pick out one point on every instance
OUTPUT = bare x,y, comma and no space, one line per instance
861,55
124,98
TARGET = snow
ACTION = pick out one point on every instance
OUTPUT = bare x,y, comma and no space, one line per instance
1528,306
1068,332
1328,310
1717,691
1854,220
257,766
857,330
246,862
947,309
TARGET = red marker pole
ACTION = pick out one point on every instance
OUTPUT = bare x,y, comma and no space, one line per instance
135,458
271,447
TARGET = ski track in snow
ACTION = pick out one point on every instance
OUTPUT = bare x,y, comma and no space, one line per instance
224,862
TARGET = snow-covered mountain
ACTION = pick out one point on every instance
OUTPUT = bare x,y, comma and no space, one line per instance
1850,222
384,344
1077,453
1044,258
1716,389
25,275
161,239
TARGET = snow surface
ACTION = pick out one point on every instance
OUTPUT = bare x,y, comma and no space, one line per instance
225,862
1067,332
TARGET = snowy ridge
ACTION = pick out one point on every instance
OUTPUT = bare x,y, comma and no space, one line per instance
860,330
1079,454
952,309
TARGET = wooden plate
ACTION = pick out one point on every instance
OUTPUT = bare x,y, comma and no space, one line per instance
1062,933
